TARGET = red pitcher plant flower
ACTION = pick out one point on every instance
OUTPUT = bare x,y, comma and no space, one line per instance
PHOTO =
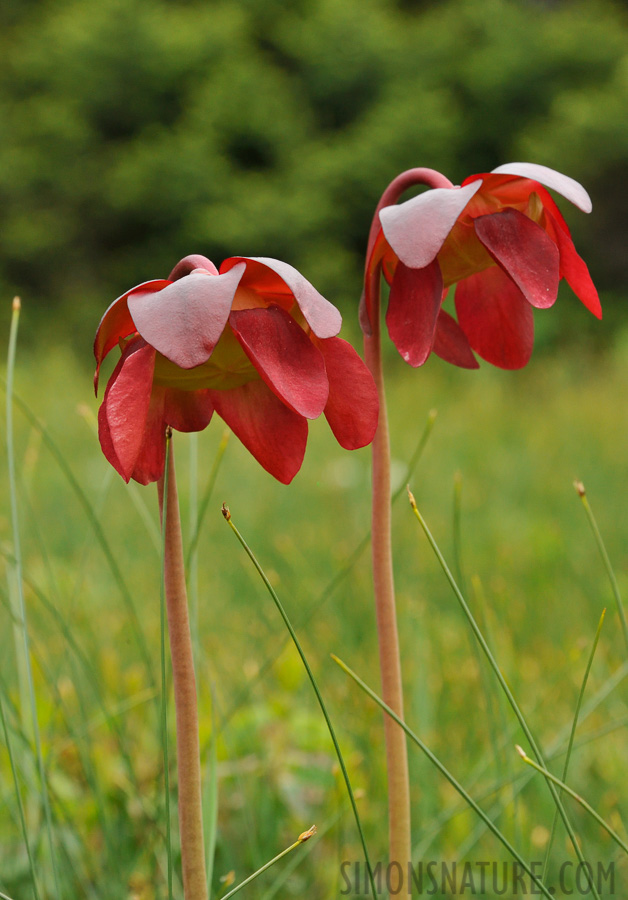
500,238
255,342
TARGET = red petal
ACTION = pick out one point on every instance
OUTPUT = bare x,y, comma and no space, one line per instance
574,269
276,281
187,410
371,281
353,405
124,409
525,252
149,465
451,343
417,229
565,185
184,321
413,305
284,356
274,434
117,323
496,318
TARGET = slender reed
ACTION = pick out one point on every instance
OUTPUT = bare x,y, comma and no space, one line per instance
184,682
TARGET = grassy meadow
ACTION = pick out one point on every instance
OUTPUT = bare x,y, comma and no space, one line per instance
495,484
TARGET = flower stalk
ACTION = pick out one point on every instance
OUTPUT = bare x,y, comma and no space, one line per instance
185,697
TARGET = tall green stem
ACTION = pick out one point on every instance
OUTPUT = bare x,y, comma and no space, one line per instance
185,698
399,826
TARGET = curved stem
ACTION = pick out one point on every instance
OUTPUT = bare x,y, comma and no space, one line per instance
399,824
184,682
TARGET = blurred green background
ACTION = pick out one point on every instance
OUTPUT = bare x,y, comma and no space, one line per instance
133,132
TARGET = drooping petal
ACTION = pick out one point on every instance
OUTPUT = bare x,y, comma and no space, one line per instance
371,281
496,318
525,251
413,305
187,410
284,356
417,228
563,184
124,410
117,323
353,406
278,280
184,321
274,434
574,269
451,343
149,465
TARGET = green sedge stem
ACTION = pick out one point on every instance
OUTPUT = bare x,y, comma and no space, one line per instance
227,515
605,558
445,772
583,803
23,655
504,686
184,684
572,734
300,840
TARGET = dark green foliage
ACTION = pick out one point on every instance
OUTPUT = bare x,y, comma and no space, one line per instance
133,132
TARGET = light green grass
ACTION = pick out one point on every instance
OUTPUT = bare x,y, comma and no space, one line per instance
538,587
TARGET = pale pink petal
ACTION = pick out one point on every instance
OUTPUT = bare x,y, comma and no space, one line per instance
353,406
185,320
563,184
284,356
496,318
413,305
274,280
189,263
525,251
274,434
417,229
451,343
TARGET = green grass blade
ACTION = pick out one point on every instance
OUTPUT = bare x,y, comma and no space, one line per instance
319,697
300,840
202,509
605,558
23,653
583,803
572,733
504,686
446,774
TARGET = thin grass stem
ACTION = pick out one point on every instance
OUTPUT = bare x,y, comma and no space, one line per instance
227,515
202,508
24,653
504,686
305,836
583,803
572,734
580,489
446,774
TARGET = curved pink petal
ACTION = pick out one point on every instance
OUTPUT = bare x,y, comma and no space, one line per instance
417,228
284,356
274,434
525,252
124,410
353,406
413,305
189,263
574,269
276,280
187,410
185,320
451,343
563,184
117,323
496,318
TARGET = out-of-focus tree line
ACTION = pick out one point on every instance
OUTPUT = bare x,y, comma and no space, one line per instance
134,132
